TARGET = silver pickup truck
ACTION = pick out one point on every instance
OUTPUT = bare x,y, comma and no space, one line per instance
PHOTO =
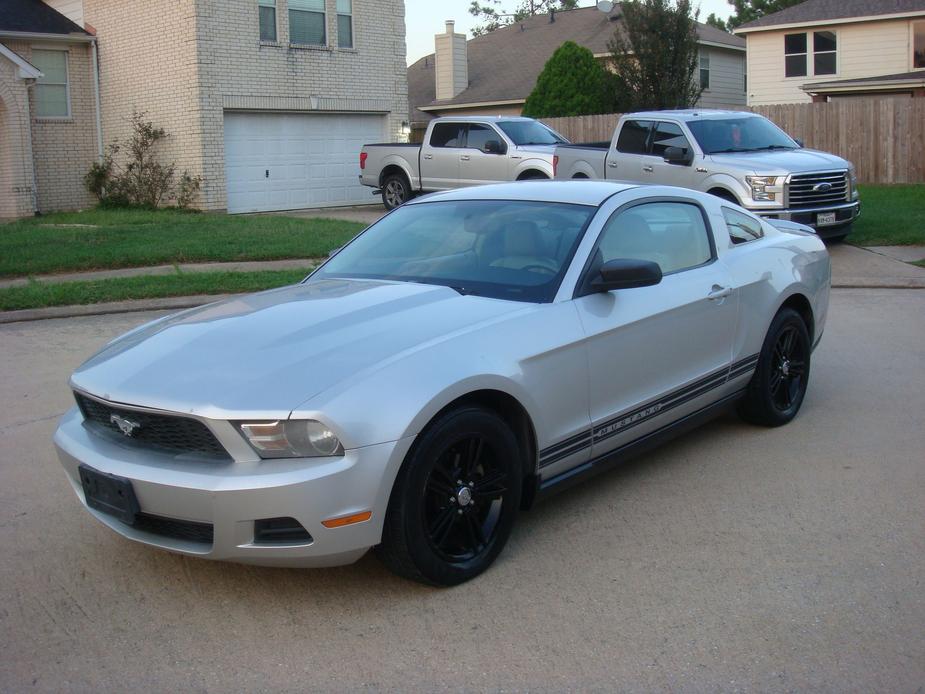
739,156
459,152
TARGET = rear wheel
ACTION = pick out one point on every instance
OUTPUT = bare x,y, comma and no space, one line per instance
455,500
396,191
778,386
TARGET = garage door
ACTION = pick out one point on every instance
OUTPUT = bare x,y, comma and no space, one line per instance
284,161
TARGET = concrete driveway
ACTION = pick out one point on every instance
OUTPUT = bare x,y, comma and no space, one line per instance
733,559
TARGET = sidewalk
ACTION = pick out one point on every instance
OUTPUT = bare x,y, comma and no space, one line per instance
852,267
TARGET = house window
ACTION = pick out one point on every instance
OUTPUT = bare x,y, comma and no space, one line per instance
51,93
824,52
918,45
306,22
267,10
345,23
795,55
705,70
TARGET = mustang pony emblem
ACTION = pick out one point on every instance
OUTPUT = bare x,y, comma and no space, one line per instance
126,426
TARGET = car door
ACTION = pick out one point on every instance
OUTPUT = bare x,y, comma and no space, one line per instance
665,135
440,156
626,162
661,352
476,165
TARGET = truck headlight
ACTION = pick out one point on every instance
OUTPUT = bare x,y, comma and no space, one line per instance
852,182
293,438
761,187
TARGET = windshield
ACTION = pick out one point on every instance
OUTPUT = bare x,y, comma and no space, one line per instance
530,132
504,249
748,134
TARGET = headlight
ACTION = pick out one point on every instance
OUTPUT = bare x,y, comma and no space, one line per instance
293,438
852,181
762,186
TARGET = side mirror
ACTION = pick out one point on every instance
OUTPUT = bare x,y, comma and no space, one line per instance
494,147
799,142
679,155
626,273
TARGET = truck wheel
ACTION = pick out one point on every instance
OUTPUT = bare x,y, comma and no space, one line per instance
395,191
724,195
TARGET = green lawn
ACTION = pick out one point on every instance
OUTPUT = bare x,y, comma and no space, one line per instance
103,239
39,295
890,216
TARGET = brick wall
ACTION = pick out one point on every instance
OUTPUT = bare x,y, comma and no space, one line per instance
16,173
64,148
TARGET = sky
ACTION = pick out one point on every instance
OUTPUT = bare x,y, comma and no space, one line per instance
424,18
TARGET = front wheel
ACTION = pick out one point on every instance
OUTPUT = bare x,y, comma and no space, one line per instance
778,386
396,191
455,499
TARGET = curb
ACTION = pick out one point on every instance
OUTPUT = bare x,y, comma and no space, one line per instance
181,302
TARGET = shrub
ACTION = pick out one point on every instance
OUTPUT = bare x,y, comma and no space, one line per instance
572,83
142,181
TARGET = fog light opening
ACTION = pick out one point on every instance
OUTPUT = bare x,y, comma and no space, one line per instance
280,531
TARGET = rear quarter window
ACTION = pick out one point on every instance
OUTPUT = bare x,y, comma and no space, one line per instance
742,228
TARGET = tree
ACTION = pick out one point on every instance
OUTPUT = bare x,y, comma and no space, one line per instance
748,10
655,55
494,17
572,83
717,22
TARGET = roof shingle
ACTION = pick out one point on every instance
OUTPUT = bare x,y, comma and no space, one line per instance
34,16
824,10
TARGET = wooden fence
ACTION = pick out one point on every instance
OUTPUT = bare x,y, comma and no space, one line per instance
883,137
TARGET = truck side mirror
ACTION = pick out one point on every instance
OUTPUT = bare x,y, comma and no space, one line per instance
678,155
494,147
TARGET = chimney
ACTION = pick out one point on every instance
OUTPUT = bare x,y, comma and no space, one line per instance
451,62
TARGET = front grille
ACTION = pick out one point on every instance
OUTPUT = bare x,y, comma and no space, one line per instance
804,189
190,531
164,432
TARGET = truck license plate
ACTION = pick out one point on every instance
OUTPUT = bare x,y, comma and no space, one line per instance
825,218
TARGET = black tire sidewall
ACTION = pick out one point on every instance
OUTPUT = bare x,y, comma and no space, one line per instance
408,495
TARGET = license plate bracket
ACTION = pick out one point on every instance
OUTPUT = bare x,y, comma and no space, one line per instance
826,218
109,494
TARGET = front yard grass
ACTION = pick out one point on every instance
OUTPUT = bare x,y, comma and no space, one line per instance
106,238
41,295
890,216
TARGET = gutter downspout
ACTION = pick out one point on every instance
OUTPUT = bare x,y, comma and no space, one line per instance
96,95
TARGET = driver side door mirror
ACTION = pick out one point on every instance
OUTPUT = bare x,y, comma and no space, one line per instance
626,273
494,147
679,155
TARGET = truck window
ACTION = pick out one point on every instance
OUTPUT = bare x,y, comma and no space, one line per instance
445,135
478,135
634,136
667,135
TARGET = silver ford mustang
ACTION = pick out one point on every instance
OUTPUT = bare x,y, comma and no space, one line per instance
468,354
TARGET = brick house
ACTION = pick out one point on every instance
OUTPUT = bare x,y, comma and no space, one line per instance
268,100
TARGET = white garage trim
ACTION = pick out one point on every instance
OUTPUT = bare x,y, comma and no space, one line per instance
287,161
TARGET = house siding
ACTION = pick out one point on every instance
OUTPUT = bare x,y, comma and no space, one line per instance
865,49
727,79
63,149
238,72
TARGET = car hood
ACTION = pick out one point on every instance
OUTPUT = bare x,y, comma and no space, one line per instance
264,354
781,162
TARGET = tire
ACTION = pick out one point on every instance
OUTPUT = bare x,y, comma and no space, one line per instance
396,191
455,500
777,388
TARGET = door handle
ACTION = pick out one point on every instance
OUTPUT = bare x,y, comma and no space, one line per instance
647,169
428,156
718,292
612,165
464,157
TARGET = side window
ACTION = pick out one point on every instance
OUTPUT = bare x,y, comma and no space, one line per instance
445,135
672,234
266,11
480,134
742,228
667,135
795,55
52,99
634,136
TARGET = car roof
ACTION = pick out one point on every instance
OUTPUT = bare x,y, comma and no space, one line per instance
692,114
575,192
481,119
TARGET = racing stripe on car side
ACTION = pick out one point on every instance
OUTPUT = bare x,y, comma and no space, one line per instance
619,424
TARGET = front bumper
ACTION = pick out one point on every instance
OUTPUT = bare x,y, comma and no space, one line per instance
844,214
231,495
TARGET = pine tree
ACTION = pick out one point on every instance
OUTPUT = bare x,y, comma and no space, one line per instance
572,83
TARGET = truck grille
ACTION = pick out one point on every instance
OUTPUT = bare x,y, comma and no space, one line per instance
167,433
818,189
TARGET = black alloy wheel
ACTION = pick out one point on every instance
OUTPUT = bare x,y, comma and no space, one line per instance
777,389
455,499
